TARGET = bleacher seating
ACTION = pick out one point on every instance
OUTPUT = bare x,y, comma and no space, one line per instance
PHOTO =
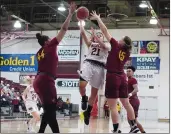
12,103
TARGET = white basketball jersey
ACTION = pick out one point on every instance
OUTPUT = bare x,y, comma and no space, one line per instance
31,95
95,52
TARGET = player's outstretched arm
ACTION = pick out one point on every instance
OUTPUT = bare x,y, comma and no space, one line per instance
101,25
86,40
65,25
102,44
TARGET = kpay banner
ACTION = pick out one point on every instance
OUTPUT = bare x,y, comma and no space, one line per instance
146,63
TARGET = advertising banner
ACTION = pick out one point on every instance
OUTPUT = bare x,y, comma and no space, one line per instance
135,47
67,83
68,53
146,63
71,37
18,63
149,47
147,80
147,77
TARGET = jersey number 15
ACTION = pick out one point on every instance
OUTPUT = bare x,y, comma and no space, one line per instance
122,55
95,51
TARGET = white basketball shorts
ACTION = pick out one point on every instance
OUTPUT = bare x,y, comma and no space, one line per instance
31,107
93,74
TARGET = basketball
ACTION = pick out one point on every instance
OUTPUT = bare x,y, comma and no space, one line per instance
82,13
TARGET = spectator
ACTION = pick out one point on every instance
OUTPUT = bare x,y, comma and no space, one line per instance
5,100
15,103
68,105
67,101
2,84
6,88
9,96
59,98
60,104
106,109
12,90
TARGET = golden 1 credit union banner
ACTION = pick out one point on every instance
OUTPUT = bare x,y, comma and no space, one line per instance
18,63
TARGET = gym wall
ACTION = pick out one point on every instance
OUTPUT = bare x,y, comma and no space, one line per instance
30,46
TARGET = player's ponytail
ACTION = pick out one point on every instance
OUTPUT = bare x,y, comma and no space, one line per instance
128,43
41,39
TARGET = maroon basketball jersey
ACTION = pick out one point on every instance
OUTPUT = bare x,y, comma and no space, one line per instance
131,81
47,58
117,57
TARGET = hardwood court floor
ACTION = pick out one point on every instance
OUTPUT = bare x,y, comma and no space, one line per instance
76,126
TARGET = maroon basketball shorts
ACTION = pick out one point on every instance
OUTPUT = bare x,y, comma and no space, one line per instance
135,104
44,86
116,86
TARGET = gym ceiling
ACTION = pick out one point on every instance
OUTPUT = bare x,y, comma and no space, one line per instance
44,14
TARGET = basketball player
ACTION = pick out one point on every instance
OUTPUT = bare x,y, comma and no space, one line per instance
133,98
93,70
30,99
44,83
116,83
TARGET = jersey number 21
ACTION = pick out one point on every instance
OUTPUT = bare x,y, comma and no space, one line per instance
34,96
95,51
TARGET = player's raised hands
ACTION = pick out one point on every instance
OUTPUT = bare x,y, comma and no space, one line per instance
94,15
72,7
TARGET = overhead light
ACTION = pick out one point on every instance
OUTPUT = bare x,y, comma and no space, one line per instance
61,8
153,21
18,18
17,24
83,23
143,4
